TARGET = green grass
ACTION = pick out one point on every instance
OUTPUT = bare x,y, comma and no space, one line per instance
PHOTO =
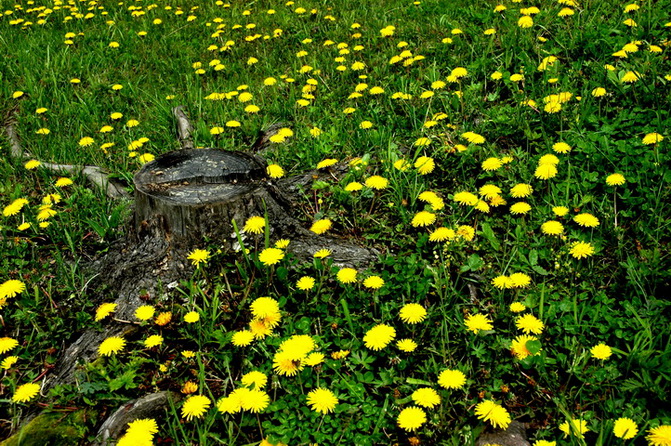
617,296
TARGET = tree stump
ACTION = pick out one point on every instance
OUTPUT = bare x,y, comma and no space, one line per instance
189,196
184,200
197,193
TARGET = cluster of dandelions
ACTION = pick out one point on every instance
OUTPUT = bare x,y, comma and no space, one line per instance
413,417
45,210
380,336
266,316
293,355
428,216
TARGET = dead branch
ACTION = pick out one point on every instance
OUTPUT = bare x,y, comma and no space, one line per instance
94,174
184,128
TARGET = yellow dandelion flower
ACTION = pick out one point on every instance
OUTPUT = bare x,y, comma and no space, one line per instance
63,182
442,234
560,211
377,182
525,22
601,351
25,392
411,418
625,428
599,92
412,313
517,307
494,413
661,435
520,208
322,400
580,250
305,283
105,310
652,138
153,341
271,256
198,256
406,345
521,190
478,322
552,227
379,337
347,275
491,164
466,232
242,338
586,220
631,77
529,323
144,312
545,171
576,428
321,226
373,282
7,344
425,165
191,317
326,163
519,346
452,379
111,345
255,225
195,406
473,138
466,198
616,179
422,219
322,253
8,362
274,171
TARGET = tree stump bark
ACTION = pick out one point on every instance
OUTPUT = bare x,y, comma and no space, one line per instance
189,196
195,194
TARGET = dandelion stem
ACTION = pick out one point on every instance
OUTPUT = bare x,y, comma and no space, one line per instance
258,420
321,422
615,205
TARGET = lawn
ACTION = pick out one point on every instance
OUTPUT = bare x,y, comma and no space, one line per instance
507,162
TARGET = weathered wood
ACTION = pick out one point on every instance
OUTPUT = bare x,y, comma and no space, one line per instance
94,174
83,350
184,127
149,406
514,435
